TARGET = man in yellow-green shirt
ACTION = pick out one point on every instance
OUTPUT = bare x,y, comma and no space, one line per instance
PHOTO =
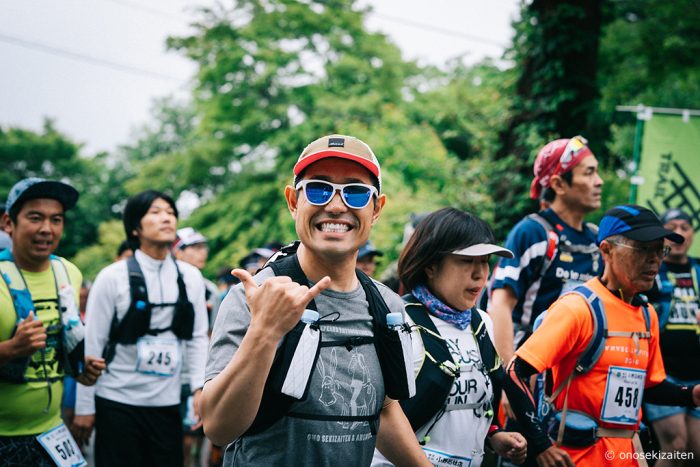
38,327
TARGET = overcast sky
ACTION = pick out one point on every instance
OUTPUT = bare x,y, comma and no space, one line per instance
95,66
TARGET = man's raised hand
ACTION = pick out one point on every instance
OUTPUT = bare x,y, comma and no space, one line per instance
277,304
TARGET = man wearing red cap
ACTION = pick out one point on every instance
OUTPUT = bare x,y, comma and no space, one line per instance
335,200
555,249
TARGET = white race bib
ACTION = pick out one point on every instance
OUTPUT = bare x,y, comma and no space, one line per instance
158,355
443,459
61,446
623,395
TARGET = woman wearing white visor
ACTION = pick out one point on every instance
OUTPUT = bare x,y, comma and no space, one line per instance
445,265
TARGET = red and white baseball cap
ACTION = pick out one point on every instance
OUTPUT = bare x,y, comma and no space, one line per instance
343,147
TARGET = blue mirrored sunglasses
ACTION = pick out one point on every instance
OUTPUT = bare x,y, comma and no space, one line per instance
320,193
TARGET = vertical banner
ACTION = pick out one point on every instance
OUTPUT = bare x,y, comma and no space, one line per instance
670,167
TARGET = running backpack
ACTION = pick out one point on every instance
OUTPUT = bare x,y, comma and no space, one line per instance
438,372
137,320
274,404
554,246
590,355
15,370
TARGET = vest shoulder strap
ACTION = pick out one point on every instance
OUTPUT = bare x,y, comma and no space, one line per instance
289,266
489,355
552,240
437,347
60,272
137,283
596,344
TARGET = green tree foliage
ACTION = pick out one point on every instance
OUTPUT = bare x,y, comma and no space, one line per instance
51,155
275,75
650,54
556,53
91,259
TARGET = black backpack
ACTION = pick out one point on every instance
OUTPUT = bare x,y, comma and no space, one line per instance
274,404
136,322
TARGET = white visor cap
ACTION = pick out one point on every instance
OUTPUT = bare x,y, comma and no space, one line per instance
483,249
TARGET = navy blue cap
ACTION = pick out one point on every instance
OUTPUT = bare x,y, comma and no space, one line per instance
368,250
676,214
36,188
636,223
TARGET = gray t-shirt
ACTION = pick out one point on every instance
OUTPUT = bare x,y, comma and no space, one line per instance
347,381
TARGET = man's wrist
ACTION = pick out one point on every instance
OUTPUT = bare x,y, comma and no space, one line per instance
8,351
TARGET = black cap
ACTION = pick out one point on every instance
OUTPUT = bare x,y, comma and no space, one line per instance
636,223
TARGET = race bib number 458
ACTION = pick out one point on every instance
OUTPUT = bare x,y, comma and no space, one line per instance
158,356
623,395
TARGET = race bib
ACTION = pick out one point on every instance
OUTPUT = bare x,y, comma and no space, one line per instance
623,395
158,356
61,446
443,459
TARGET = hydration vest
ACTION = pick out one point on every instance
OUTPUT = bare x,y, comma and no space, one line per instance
594,349
15,371
666,286
438,372
136,322
554,247
274,404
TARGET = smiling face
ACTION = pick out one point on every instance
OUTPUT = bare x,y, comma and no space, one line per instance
36,233
333,231
158,226
458,280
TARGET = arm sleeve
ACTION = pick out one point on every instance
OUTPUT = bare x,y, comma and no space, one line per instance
523,403
197,346
667,393
528,242
656,373
100,310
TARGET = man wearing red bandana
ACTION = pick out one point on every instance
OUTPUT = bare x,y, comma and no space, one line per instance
555,249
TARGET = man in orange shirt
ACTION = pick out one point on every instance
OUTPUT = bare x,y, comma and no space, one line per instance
604,394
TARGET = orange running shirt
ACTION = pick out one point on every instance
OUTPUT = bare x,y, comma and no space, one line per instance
562,337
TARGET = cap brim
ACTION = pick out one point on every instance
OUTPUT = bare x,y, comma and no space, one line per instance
651,233
483,249
51,189
365,254
310,159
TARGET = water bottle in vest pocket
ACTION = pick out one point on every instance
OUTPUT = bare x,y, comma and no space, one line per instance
296,381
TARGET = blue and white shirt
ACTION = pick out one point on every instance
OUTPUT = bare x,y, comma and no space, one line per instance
576,260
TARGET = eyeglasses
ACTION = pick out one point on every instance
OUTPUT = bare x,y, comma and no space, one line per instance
573,147
354,195
661,252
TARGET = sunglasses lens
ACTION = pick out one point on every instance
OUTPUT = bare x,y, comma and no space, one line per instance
357,196
318,192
